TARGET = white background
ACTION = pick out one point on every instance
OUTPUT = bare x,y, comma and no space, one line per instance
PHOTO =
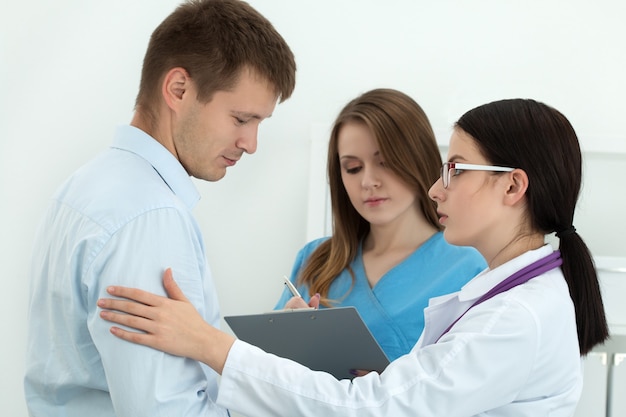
69,71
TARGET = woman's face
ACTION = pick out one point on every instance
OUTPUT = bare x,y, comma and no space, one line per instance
470,208
376,193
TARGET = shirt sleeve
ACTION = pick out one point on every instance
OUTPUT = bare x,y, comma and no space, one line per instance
143,381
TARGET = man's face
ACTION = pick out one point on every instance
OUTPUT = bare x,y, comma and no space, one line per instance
210,137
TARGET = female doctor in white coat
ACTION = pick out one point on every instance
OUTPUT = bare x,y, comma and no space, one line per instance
508,344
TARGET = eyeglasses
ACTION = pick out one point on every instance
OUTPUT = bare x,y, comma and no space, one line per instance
448,167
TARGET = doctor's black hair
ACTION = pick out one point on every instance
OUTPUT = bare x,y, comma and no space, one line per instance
538,139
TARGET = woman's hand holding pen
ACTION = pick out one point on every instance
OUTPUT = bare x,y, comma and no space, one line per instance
298,302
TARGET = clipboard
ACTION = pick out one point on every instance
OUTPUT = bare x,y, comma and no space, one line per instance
334,340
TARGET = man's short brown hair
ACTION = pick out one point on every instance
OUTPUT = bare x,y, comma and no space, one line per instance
214,40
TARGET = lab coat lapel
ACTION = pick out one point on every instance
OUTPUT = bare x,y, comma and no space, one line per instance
443,311
439,314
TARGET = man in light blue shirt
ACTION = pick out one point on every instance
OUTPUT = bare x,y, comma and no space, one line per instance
127,215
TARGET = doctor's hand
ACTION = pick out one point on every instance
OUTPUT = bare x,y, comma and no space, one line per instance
298,302
172,324
360,372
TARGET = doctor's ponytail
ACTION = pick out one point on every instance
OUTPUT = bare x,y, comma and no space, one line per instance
539,139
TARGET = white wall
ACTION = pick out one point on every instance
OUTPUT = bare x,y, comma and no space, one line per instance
69,70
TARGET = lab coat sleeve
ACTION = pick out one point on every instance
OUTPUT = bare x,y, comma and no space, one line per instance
461,375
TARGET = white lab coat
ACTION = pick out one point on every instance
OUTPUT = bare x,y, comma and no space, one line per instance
516,354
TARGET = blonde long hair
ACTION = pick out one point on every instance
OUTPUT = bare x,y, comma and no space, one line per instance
407,144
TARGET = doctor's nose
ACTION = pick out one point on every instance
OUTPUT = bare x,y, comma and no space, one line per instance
436,191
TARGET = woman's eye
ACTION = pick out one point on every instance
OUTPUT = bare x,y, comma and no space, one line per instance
240,121
353,170
456,172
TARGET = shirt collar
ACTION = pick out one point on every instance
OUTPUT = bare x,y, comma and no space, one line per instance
132,139
489,278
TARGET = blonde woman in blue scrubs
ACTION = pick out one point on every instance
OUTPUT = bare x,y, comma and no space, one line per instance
387,256
509,343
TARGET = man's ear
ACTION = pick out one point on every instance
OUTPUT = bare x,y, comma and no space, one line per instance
516,186
176,85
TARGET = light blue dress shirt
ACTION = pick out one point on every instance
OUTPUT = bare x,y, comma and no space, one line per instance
394,309
120,219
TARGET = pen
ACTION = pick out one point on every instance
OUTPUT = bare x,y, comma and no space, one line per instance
291,287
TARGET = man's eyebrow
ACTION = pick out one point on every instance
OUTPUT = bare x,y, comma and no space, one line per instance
249,115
